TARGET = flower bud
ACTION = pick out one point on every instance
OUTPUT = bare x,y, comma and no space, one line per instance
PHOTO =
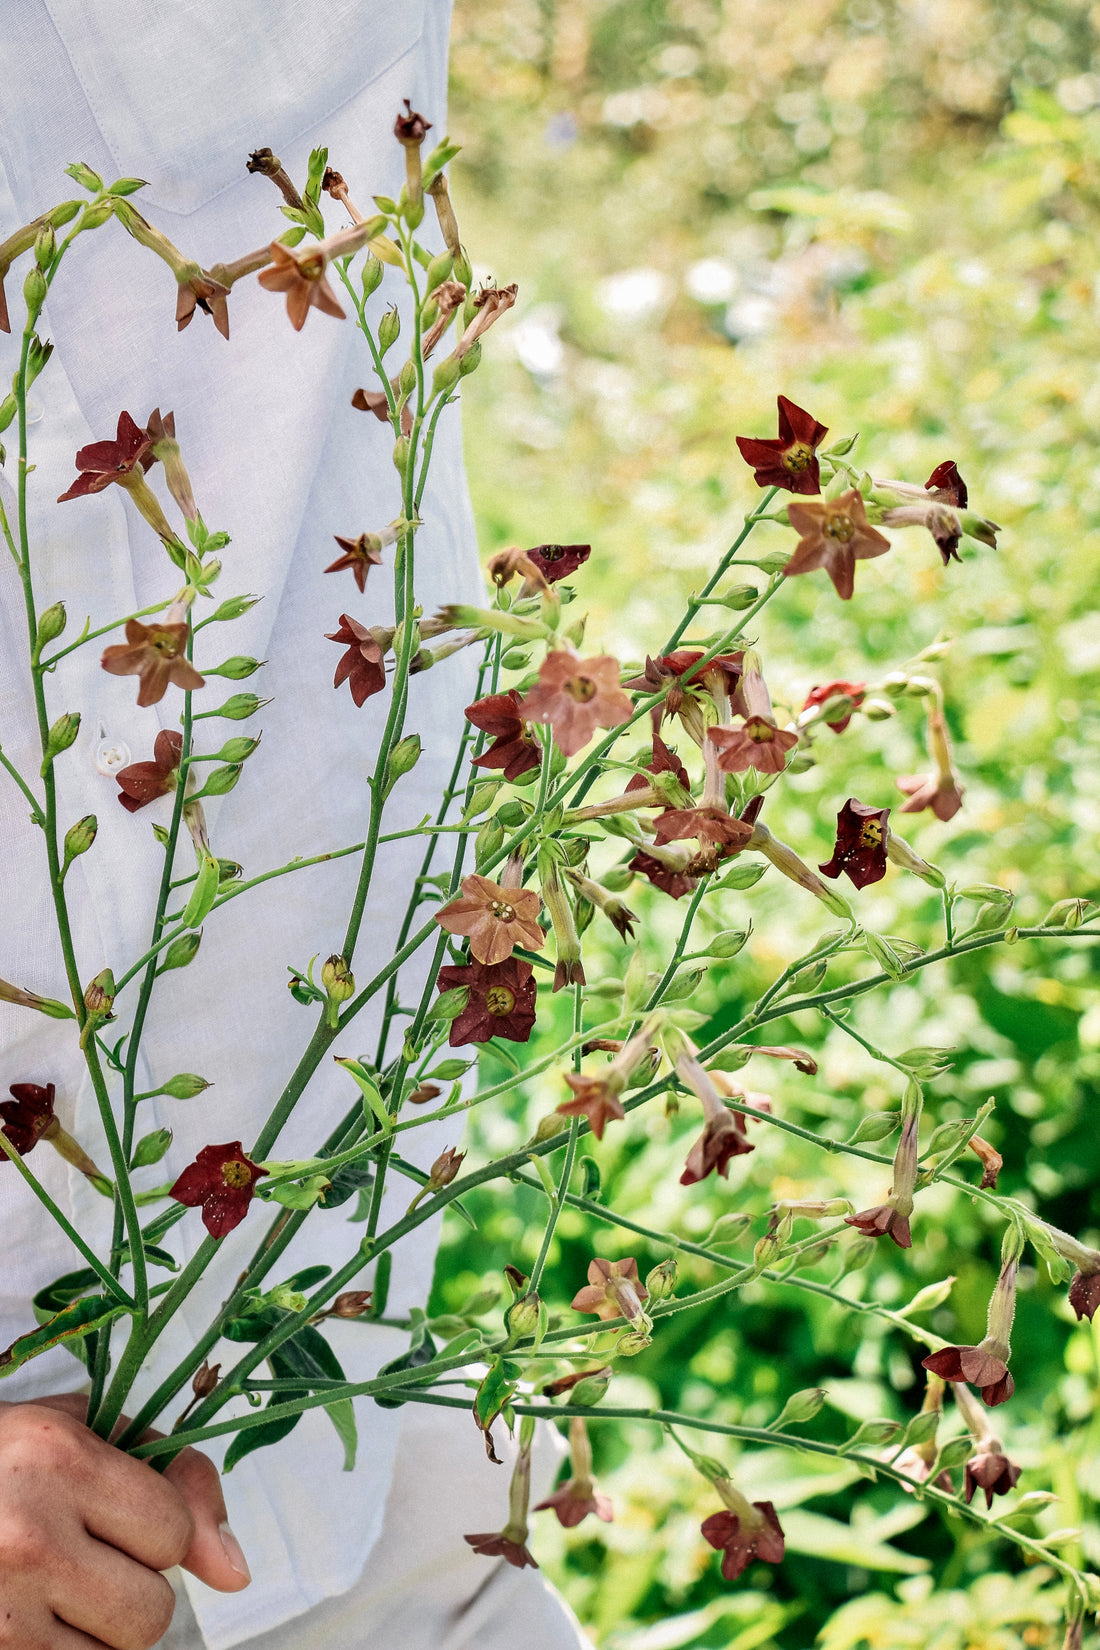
34,289
728,943
353,1303
740,597
239,706
471,360
234,608
591,1389
337,979
445,1168
446,376
523,1316
799,1408
181,951
403,758
185,1086
60,737
94,214
8,409
631,1342
100,995
79,837
878,1125
661,1282
878,710
401,453
372,272
489,840
151,1148
773,561
389,329
221,781
45,245
50,624
236,668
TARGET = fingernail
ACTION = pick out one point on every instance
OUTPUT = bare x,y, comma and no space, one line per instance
232,1549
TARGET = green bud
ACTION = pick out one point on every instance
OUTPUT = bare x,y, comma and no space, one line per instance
445,377
403,759
95,214
740,597
516,658
921,1428
471,360
238,749
34,289
372,272
401,453
661,1282
928,1298
479,801
635,982
203,894
79,837
512,814
221,781
728,943
84,175
337,979
742,877
406,381
590,1391
859,1253
953,1454
151,1148
926,1061
877,1125
238,707
184,1086
885,955
389,330
449,1004
181,951
878,710
50,624
99,996
772,561
799,1408
522,1317
236,668
45,245
727,1229
8,409
871,1435
127,186
37,357
631,1342
489,840
234,608
64,213
60,737
438,270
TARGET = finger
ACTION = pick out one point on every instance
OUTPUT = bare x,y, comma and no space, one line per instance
111,1598
67,1638
215,1554
130,1506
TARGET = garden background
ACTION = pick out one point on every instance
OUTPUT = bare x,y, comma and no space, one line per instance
889,212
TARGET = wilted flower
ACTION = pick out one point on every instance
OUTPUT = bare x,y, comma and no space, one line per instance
165,447
142,782
447,297
860,850
854,692
835,535
613,1290
492,302
577,1498
990,1470
300,273
791,460
743,1531
29,1117
445,1168
221,1180
513,749
156,653
619,915
360,554
494,919
575,696
501,1001
724,1135
362,666
892,1217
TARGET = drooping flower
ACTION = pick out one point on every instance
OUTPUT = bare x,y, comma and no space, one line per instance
221,1180
892,1217
501,1001
568,967
513,749
853,692
985,1365
860,850
156,653
942,790
663,760
578,1497
447,297
123,460
707,825
511,1542
162,434
946,484
835,535
724,1135
751,1531
1084,1294
28,1115
595,1098
362,665
493,918
789,461
720,677
621,917
491,303
300,273
882,1221
360,554
666,872
990,1470
558,561
575,696
498,1545
142,782
613,1290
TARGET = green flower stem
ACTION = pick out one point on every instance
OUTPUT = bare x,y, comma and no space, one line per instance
695,602
37,814
875,1053
681,946
557,1203
359,303
109,1282
104,630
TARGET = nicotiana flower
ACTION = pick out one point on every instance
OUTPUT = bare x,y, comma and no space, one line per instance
558,561
511,1542
613,1290
835,534
513,748
156,653
1084,1294
360,554
300,273
742,1531
990,1470
221,1180
578,1497
29,1117
853,692
123,461
938,506
142,782
663,760
575,696
720,678
501,1001
665,868
942,791
892,1217
985,1365
494,919
162,434
362,666
724,1135
789,461
860,850
491,303
596,1095
756,743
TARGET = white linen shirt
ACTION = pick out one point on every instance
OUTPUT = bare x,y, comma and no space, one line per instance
178,92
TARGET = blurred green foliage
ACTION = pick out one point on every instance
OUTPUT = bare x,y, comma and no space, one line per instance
888,212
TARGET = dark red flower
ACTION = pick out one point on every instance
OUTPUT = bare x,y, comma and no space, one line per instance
791,460
740,1542
662,761
362,665
574,1501
155,653
557,561
947,486
142,782
837,690
990,1470
724,1137
360,554
669,881
860,850
1084,1294
27,1115
501,1001
222,1180
102,462
881,1221
976,1364
664,671
497,1545
513,748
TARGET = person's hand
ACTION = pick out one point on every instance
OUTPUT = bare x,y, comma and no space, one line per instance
85,1531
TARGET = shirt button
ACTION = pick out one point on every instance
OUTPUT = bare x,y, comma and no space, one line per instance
110,755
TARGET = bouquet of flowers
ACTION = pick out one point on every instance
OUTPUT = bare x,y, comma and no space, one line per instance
581,780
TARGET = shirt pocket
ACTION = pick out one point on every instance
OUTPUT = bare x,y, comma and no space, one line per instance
182,90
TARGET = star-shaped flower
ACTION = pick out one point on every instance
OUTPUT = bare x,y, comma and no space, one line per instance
755,743
979,1365
594,1098
854,692
142,782
835,535
301,275
222,1180
360,554
860,850
791,460
102,462
501,1001
990,1470
741,1539
613,1290
156,653
28,1115
362,666
558,561
575,696
494,919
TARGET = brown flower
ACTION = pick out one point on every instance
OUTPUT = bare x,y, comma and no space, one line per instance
102,462
980,1365
28,1115
942,792
494,1545
594,1098
883,1220
742,1538
141,782
613,1290
575,696
577,1498
501,1001
723,1137
558,561
1084,1294
156,654
491,303
362,666
835,535
360,554
664,874
757,743
990,1470
791,460
203,291
301,274
494,919
663,760
704,824
513,748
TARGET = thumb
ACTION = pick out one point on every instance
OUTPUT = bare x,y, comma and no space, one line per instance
214,1555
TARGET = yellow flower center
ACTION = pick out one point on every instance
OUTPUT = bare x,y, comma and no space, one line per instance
581,688
164,642
759,731
840,526
236,1174
797,459
312,266
870,834
499,1000
502,911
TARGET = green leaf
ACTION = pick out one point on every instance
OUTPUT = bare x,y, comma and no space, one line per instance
497,1388
352,1178
65,1328
953,1454
258,1437
421,1351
